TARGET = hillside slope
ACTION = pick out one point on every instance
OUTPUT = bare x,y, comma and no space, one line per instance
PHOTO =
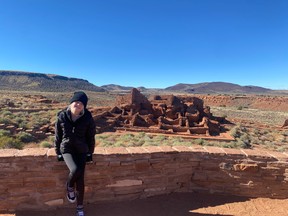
216,87
16,80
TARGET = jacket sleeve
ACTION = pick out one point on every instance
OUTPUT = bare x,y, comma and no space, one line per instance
58,136
91,135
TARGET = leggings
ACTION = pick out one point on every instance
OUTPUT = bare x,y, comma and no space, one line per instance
76,164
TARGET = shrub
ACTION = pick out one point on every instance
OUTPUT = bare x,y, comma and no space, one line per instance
199,141
7,113
159,138
240,144
4,133
10,142
244,138
5,120
25,137
46,144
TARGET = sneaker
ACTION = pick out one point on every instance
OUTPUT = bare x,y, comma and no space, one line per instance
71,196
80,212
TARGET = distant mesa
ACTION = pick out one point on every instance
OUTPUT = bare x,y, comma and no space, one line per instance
27,81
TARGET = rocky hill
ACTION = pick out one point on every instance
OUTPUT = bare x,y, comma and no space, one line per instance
199,88
217,87
119,88
27,81
114,87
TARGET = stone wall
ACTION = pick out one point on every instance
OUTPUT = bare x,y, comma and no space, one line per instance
33,179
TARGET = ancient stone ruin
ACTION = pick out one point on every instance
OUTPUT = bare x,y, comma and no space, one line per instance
166,114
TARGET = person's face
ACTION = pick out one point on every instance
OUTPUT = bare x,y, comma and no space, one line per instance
76,107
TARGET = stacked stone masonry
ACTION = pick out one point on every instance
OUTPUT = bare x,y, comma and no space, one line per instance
34,179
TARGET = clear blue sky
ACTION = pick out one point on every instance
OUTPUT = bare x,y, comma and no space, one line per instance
151,43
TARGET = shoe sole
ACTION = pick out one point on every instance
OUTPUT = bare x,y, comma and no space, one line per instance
69,200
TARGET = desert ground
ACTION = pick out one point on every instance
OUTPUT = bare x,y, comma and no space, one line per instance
255,120
178,204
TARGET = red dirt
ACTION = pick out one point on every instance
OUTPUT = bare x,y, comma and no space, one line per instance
178,204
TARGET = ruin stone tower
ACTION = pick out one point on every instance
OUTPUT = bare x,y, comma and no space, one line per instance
135,102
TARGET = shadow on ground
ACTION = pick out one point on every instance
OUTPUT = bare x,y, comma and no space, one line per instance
177,204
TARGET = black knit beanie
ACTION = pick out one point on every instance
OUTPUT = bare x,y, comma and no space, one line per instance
79,96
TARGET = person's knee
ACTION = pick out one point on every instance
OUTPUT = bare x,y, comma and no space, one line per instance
77,172
73,171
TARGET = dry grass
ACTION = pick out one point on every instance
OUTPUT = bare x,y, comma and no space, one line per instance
270,118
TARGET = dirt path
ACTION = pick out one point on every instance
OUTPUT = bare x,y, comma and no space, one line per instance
178,204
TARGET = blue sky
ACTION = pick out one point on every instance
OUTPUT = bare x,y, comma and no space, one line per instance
150,43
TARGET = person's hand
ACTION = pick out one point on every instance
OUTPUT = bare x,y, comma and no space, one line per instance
60,157
89,157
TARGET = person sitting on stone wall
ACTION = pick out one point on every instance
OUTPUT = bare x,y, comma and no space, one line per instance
74,143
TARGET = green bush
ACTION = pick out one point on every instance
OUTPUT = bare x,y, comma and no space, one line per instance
4,133
199,141
7,113
5,120
239,108
46,144
10,142
25,137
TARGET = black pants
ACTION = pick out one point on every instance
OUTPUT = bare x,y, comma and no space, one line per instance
76,164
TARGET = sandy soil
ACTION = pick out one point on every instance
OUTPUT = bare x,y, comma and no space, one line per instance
178,204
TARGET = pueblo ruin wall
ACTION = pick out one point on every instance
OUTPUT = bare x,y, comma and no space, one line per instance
167,114
34,179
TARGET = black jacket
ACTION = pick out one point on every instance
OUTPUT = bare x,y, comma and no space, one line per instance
74,137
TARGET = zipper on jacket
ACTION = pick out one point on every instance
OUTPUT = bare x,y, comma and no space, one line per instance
73,130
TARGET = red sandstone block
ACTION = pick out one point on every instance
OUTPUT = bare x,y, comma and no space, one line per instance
116,150
186,177
153,149
160,160
278,155
189,164
52,195
136,150
182,149
199,176
5,166
103,163
246,167
142,165
21,191
111,164
168,149
270,170
51,152
127,190
7,183
256,153
100,150
214,150
32,152
234,152
8,152
200,149
210,165
127,163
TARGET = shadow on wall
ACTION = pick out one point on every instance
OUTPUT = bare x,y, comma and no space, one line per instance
176,204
